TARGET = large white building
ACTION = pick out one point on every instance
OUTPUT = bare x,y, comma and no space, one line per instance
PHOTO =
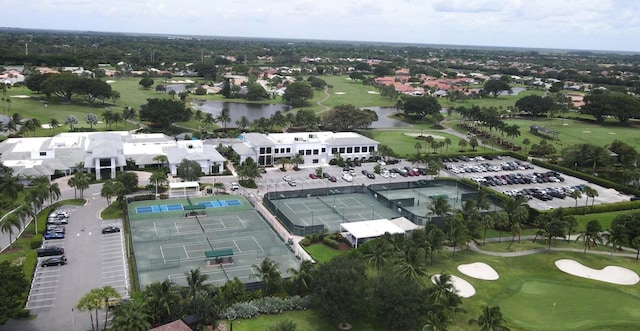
103,153
317,148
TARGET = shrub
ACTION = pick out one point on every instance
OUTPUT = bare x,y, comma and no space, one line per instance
267,305
36,241
331,242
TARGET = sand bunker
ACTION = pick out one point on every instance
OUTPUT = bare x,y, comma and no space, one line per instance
611,132
463,288
340,93
110,81
609,274
373,92
586,131
435,136
21,96
479,270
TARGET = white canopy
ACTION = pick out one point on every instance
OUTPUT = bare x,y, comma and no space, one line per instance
369,229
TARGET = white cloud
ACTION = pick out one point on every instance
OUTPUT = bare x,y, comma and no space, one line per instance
582,24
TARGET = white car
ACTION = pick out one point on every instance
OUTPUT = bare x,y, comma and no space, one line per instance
234,186
381,162
347,177
286,178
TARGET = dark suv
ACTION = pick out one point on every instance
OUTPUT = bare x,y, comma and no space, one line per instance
49,251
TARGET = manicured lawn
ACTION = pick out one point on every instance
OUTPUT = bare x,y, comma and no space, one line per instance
605,219
529,285
322,253
503,101
404,145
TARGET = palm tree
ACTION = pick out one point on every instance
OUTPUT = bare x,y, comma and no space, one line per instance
635,243
616,237
162,298
53,123
131,316
224,117
10,222
243,123
418,147
269,275
208,120
297,159
500,220
526,142
128,113
576,194
571,223
487,222
160,159
410,265
491,319
440,207
196,284
218,186
378,255
447,142
302,277
591,235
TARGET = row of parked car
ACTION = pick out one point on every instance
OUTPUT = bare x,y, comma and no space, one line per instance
468,159
488,167
409,171
545,194
518,178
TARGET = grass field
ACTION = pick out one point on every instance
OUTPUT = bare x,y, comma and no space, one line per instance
605,219
404,145
322,253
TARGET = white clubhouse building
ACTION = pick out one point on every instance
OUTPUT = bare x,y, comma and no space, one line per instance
103,153
317,148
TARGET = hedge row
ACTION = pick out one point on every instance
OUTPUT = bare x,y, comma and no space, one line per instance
595,209
267,305
331,243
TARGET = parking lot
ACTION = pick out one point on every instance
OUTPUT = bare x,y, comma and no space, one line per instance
113,267
544,189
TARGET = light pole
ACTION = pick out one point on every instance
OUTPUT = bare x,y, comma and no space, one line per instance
342,213
372,212
334,192
421,131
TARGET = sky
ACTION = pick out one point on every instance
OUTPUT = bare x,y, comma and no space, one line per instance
610,25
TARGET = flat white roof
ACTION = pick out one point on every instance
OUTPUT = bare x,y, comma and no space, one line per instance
371,229
183,185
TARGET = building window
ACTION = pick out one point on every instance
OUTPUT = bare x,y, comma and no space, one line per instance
308,152
349,149
315,161
268,150
372,149
262,149
324,150
334,150
341,150
315,152
288,149
43,153
356,149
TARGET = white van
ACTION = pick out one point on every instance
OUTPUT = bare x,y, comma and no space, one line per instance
347,177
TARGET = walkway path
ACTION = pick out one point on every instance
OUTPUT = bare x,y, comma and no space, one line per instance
326,97
474,248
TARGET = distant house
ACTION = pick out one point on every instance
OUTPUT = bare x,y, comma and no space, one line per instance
11,77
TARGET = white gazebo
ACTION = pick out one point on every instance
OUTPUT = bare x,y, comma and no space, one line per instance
360,232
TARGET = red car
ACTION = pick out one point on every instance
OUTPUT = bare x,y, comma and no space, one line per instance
332,179
313,176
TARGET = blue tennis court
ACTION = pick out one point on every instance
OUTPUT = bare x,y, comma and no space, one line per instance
159,208
220,203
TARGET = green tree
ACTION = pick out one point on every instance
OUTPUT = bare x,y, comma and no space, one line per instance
146,82
248,170
243,123
617,236
91,119
495,86
196,285
534,105
189,170
10,223
297,159
256,92
110,189
419,107
164,112
635,243
71,121
591,235
297,93
270,277
129,181
63,85
399,302
302,278
491,319
224,117
13,289
163,301
132,315
338,288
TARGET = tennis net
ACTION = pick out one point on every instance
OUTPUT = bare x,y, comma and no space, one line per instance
326,204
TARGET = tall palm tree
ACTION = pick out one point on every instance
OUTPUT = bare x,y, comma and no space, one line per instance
418,147
378,254
576,194
25,214
411,264
500,220
487,222
302,277
160,159
132,315
209,119
591,235
196,284
616,237
269,275
162,298
440,207
491,319
54,192
224,117
10,223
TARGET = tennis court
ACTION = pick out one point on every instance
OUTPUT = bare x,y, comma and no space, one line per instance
333,209
159,208
225,243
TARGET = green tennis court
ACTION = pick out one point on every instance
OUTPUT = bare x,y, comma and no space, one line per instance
167,247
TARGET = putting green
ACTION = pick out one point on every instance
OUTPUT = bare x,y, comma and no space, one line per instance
547,305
